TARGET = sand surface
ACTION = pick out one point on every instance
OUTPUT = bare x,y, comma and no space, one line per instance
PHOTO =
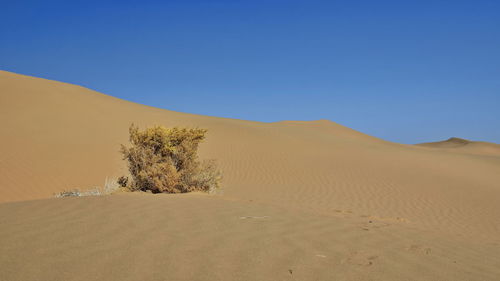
458,145
301,200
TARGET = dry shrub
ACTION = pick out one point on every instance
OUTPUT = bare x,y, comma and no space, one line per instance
165,160
68,193
110,186
122,181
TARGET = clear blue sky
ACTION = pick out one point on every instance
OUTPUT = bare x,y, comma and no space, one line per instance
405,71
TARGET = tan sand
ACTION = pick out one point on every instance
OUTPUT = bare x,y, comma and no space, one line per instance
465,146
302,200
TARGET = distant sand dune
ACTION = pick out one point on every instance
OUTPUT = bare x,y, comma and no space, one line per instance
434,208
465,146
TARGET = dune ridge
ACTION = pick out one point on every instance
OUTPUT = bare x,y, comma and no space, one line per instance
387,203
460,145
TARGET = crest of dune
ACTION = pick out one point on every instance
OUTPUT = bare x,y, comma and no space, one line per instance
455,144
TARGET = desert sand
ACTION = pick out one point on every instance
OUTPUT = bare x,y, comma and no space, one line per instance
454,144
301,200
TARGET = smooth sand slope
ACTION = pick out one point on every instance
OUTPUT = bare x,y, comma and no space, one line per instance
302,200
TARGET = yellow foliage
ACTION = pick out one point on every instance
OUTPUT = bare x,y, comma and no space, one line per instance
165,160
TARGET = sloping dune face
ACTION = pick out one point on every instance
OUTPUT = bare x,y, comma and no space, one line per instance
57,136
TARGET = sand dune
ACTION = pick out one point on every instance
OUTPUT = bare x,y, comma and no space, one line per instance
465,146
337,203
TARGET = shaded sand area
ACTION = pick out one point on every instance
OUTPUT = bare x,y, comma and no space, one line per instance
301,200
